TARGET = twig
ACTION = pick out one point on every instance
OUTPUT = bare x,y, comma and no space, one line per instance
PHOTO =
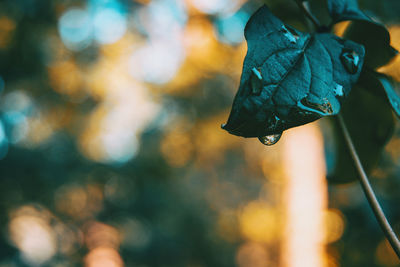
369,192
304,8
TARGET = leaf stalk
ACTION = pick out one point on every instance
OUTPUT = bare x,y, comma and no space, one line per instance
304,8
369,192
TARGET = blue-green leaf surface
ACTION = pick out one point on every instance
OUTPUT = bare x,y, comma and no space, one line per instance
363,30
384,85
290,78
341,10
376,40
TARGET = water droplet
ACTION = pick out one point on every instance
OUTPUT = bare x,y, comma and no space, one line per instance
338,90
270,140
290,33
323,109
350,60
256,81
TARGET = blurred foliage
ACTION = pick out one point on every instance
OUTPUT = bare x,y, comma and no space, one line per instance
111,152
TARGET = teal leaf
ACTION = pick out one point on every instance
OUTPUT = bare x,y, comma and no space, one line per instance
376,40
370,122
382,84
341,10
290,78
363,30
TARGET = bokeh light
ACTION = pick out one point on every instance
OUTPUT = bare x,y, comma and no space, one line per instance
214,7
102,21
253,255
103,257
30,231
162,19
109,26
385,255
17,108
334,225
157,62
7,27
111,151
304,215
259,223
75,29
103,242
230,28
135,234
112,133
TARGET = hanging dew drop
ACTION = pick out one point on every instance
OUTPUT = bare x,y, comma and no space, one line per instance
270,140
350,61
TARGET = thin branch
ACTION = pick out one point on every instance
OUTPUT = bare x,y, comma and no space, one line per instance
369,192
302,5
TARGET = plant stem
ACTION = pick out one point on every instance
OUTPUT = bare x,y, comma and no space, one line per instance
304,8
369,192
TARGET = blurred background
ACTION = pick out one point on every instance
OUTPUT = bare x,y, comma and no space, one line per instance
111,152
